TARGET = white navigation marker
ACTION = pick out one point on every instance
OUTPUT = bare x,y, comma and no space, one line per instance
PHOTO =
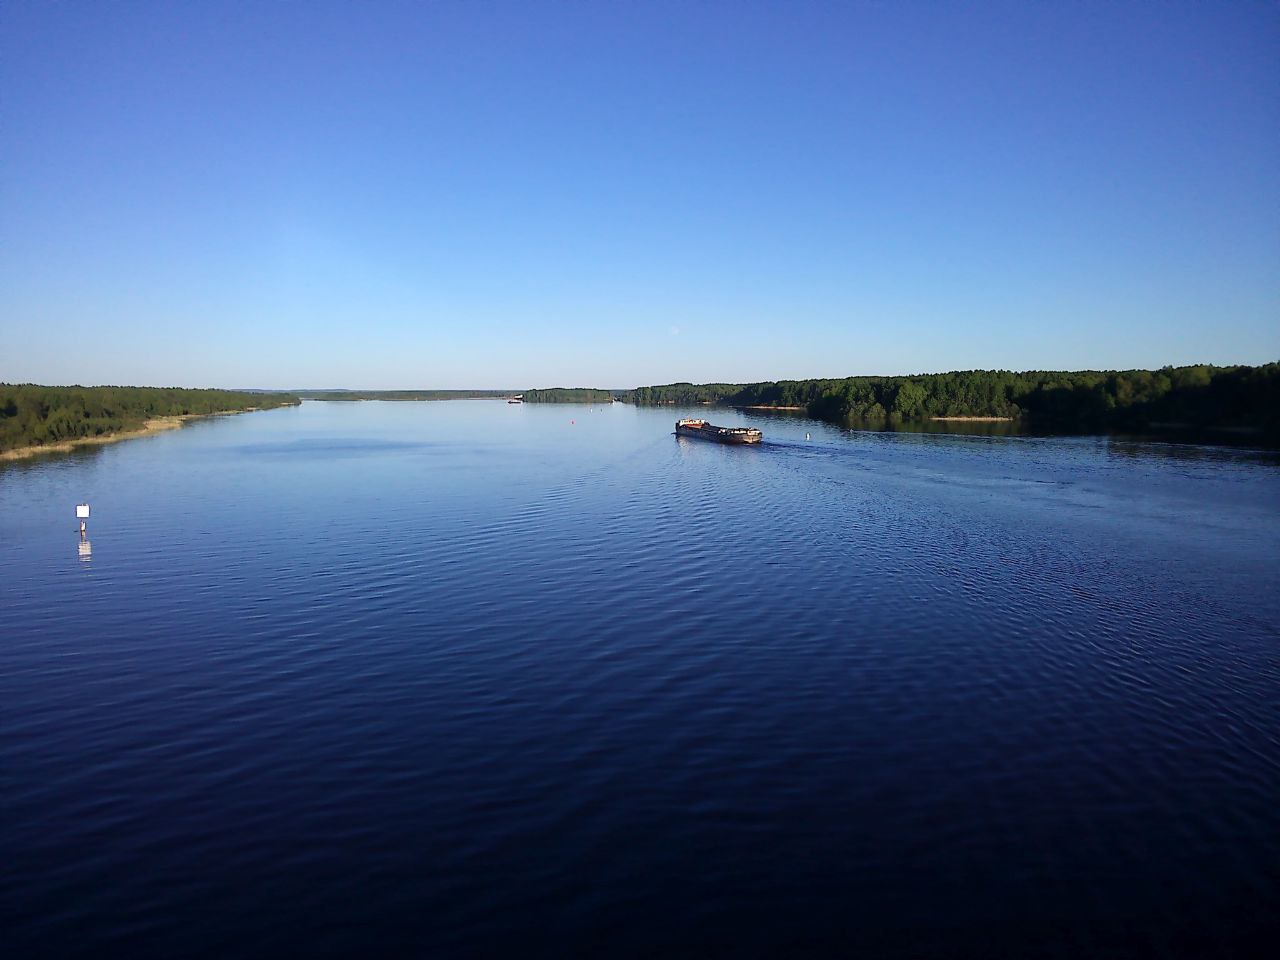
82,514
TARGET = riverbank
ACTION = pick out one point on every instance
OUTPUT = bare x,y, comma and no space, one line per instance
149,428
974,419
37,418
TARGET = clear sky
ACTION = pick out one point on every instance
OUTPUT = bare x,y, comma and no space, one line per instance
614,193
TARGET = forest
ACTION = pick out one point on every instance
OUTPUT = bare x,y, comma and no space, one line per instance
32,415
1241,398
1201,396
685,393
404,394
568,395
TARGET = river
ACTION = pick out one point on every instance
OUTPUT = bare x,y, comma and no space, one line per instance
466,678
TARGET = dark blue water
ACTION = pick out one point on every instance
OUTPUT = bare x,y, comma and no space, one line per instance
471,679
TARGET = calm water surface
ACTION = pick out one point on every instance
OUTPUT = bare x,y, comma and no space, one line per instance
471,679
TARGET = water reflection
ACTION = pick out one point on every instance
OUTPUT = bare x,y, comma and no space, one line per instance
85,550
1128,446
1180,444
42,459
1181,438
967,428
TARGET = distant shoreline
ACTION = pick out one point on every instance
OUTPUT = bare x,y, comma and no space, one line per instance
976,419
149,428
763,406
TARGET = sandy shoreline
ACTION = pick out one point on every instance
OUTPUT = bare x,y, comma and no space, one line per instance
151,427
975,419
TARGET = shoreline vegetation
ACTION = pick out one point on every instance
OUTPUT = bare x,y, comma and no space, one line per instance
1236,400
37,419
158,425
407,394
574,395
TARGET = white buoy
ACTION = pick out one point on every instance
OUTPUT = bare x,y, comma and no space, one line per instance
806,436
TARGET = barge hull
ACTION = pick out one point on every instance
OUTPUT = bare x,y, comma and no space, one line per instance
701,430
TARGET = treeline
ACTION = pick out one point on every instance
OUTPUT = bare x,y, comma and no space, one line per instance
32,415
1195,397
404,394
568,395
682,393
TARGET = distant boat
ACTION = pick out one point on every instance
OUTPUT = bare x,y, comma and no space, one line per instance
709,431
516,400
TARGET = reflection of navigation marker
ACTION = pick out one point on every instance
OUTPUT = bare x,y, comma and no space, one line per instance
82,514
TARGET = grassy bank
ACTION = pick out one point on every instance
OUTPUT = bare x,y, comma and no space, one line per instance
36,419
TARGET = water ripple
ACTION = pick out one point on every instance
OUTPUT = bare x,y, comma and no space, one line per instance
464,679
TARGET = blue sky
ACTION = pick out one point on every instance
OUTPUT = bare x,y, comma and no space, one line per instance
535,194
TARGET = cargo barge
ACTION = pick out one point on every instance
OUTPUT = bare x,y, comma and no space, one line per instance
709,431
